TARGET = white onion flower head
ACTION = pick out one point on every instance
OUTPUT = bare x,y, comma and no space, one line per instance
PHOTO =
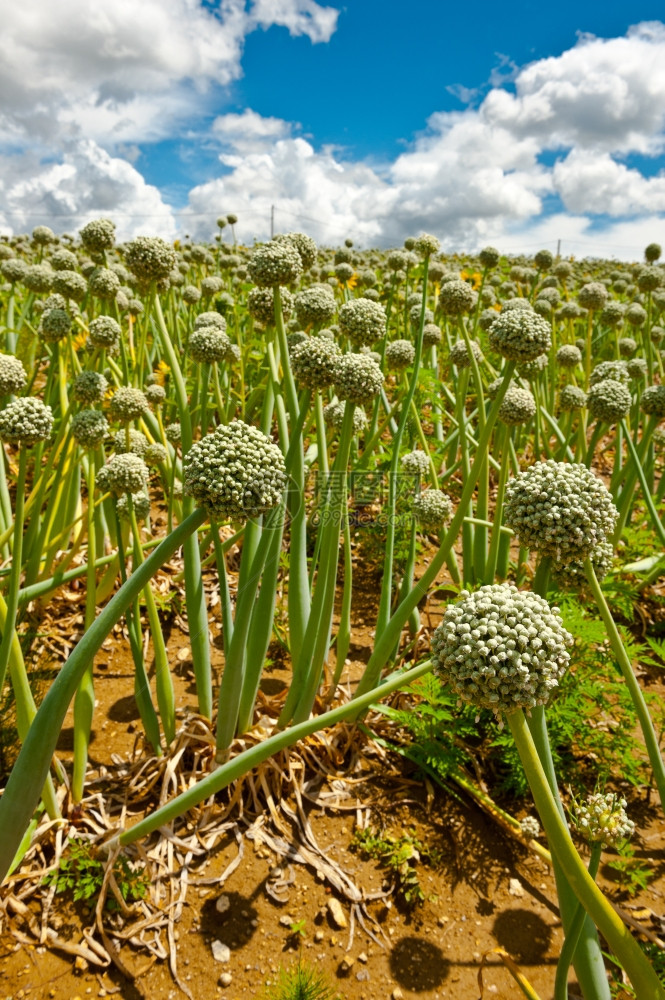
459,353
104,283
617,370
456,297
608,400
261,304
210,319
603,819
126,473
89,428
362,321
137,444
275,263
400,354
305,246
593,296
155,453
104,332
432,508
653,401
518,406
315,304
520,335
501,649
357,377
25,421
568,356
98,235
431,335
71,284
572,397
90,387
127,403
415,463
314,362
426,245
155,394
559,509
150,258
571,575
208,345
333,415
13,376
235,473
140,504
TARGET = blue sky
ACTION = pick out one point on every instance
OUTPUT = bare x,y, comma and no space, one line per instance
517,124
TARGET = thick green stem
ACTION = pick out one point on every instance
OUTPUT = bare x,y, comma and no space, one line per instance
385,641
573,934
244,762
634,689
23,790
642,975
9,630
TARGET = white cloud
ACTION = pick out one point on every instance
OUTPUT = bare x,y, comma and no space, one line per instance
85,183
478,175
84,87
595,183
301,17
78,78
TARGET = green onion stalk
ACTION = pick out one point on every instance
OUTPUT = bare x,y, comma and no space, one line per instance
644,718
641,973
142,695
308,667
389,637
30,772
385,600
573,935
623,492
299,594
244,762
9,630
84,701
197,614
163,679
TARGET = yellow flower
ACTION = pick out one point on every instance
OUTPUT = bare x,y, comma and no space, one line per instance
80,341
161,372
473,279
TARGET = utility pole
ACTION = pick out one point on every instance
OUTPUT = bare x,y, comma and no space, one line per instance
558,248
272,221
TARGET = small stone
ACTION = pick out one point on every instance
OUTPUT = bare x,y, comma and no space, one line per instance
362,957
442,921
80,964
286,920
184,653
221,952
225,979
346,965
337,914
362,975
397,994
320,875
515,888
319,936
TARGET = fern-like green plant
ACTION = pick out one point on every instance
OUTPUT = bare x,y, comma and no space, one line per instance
301,981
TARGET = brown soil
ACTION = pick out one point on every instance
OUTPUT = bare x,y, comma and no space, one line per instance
486,892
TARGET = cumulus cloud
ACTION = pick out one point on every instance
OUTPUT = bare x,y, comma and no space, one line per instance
478,175
85,88
83,81
85,183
